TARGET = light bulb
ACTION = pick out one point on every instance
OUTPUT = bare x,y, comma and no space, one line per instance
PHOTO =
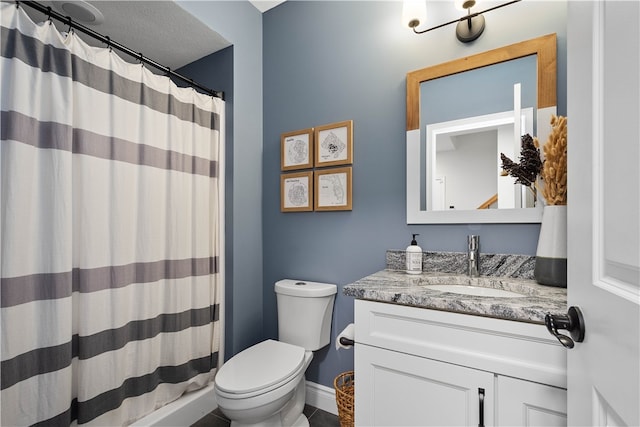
414,13
463,5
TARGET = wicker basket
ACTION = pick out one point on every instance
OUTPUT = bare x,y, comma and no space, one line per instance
344,385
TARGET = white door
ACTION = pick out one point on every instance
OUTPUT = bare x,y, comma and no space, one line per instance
439,191
603,79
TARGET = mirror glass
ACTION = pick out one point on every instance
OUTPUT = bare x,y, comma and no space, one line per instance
463,167
460,116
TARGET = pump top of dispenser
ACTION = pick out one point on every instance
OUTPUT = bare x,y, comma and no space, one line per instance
413,239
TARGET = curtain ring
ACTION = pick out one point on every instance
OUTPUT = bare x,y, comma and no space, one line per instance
140,58
109,43
69,23
49,15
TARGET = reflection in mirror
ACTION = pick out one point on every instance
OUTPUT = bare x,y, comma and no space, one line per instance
479,91
463,163
444,102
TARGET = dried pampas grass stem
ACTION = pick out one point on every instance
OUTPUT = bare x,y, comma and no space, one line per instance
554,168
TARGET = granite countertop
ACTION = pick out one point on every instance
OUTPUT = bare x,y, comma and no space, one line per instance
393,285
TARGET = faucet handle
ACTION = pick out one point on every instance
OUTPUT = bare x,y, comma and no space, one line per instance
473,241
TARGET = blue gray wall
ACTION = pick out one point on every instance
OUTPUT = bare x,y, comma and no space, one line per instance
328,61
241,24
308,63
215,71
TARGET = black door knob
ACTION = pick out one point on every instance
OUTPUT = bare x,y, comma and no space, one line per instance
573,322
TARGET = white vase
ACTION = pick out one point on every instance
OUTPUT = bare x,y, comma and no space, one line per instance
551,256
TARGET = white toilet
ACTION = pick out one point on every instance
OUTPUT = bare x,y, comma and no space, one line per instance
264,385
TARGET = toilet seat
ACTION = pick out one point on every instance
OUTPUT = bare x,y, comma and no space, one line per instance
244,375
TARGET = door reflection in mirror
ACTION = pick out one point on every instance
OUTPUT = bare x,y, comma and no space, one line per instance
463,163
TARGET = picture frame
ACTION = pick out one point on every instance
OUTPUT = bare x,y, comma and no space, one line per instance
296,192
296,149
333,189
334,144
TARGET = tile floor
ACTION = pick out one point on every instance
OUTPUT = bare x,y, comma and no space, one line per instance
317,418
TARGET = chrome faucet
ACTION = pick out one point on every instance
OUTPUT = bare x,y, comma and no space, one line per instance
473,255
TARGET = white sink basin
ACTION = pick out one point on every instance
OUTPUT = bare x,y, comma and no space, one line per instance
476,290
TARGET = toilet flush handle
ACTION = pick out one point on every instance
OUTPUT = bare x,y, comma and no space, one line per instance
346,341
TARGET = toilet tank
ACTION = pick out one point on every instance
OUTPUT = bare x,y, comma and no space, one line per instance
305,310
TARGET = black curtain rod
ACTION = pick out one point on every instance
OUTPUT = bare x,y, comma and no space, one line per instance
110,43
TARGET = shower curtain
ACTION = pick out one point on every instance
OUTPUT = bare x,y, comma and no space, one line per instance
110,232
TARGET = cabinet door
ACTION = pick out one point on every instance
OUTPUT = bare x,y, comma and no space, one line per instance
397,389
524,403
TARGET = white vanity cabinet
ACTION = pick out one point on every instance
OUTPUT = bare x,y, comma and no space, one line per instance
526,403
421,367
405,390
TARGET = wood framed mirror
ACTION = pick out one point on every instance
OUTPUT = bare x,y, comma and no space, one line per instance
544,50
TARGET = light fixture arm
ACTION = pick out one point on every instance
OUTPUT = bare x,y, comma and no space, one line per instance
469,17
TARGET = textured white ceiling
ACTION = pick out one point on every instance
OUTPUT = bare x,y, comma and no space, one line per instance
160,30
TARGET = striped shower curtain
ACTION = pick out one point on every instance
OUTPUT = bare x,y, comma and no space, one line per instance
110,232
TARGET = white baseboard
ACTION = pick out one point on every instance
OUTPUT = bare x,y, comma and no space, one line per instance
321,397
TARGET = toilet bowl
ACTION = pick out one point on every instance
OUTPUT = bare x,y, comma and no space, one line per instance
256,385
264,385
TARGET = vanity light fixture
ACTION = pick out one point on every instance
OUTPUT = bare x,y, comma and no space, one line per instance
468,28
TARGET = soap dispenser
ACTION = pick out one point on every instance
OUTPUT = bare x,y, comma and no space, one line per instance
413,257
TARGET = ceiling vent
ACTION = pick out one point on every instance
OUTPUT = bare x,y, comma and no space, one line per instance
80,11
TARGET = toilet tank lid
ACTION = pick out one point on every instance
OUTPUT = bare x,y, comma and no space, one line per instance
304,288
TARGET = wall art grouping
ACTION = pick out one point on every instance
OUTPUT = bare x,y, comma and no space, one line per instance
325,146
